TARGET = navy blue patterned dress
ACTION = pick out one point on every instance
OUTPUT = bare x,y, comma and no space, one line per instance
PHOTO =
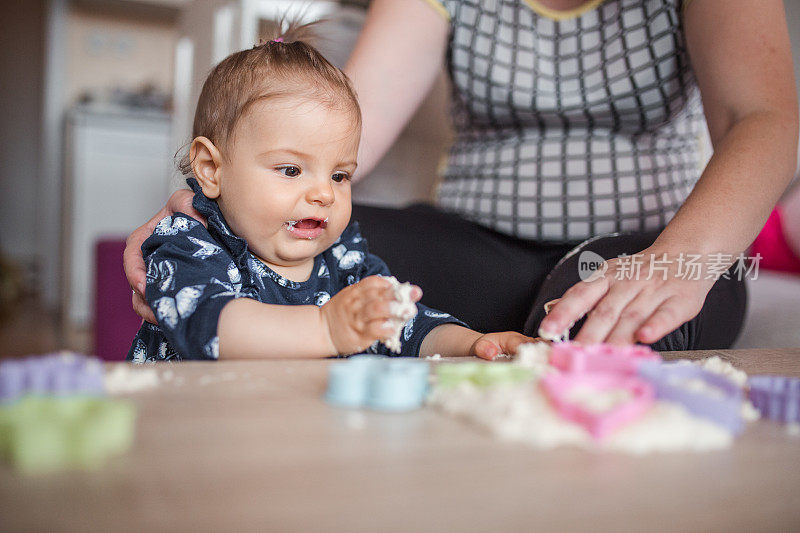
192,272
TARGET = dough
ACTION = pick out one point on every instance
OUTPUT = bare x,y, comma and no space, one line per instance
402,308
523,413
125,379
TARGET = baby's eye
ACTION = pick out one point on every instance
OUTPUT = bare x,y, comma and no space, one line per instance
340,176
289,171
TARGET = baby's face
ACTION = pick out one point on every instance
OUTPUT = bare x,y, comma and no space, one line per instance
285,181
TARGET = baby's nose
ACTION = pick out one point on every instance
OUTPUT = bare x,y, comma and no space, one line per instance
321,192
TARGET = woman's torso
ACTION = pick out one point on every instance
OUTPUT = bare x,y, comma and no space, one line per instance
575,127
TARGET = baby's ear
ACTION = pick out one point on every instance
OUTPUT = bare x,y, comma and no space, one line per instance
206,165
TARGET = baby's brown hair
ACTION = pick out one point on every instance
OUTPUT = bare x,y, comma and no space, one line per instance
285,65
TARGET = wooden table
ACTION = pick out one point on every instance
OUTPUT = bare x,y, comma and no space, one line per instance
251,446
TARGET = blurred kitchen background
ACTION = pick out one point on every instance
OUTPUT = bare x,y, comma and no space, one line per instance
97,96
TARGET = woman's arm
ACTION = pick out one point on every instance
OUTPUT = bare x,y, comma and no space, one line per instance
741,56
742,60
393,66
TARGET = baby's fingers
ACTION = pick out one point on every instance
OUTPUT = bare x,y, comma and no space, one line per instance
375,330
376,309
511,341
486,349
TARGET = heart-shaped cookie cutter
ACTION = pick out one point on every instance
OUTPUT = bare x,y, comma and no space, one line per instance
599,423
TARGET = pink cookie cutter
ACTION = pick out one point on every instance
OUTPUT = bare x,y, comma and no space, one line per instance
599,423
571,357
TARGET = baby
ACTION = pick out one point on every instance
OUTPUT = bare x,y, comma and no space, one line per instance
280,271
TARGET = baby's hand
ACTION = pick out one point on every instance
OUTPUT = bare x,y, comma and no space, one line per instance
491,345
359,315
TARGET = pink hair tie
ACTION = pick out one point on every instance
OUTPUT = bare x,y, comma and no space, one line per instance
278,40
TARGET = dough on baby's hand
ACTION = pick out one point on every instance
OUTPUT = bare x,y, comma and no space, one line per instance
402,308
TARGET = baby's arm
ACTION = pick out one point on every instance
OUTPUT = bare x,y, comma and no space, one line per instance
452,340
348,323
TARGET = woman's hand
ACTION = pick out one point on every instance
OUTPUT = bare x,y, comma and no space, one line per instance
132,259
638,298
491,345
359,315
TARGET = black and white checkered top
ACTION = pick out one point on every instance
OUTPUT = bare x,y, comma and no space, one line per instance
570,128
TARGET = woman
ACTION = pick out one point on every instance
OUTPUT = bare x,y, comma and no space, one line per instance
575,120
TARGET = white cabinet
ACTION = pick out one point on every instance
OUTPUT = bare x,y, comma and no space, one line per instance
118,170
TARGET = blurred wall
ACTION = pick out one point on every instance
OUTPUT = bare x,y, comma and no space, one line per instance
21,78
111,48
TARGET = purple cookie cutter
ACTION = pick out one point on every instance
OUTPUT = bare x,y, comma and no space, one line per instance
61,373
776,397
722,407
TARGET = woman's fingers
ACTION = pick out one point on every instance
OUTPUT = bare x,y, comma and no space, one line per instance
608,312
633,316
575,303
132,260
142,309
181,201
673,312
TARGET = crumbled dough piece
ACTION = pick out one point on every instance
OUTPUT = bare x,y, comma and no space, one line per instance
403,309
523,413
598,401
355,420
534,355
434,357
718,366
749,412
125,378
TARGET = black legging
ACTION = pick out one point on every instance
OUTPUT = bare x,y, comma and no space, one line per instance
495,282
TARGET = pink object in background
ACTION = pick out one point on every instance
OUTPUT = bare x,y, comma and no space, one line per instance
115,322
571,357
771,244
561,388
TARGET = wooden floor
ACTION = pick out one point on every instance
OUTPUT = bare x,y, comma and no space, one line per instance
31,329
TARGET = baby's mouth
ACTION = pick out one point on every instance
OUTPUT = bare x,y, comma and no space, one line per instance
308,223
307,228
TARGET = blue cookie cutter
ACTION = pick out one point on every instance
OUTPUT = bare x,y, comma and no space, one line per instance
380,383
776,397
723,406
58,374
